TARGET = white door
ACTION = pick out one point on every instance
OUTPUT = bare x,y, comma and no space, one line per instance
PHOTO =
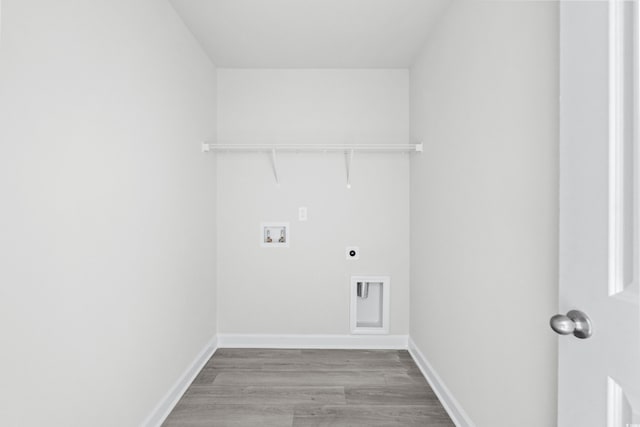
599,377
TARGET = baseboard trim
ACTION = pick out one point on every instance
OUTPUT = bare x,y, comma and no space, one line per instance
451,405
170,400
395,342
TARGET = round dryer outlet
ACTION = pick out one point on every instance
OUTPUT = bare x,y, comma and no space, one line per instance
353,253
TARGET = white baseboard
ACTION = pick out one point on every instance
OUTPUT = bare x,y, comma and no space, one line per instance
395,342
170,400
451,405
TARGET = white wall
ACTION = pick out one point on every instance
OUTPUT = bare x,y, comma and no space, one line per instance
107,254
304,289
484,208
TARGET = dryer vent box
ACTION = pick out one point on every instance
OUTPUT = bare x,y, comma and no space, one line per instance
370,304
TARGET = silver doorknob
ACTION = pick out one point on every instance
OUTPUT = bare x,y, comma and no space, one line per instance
575,322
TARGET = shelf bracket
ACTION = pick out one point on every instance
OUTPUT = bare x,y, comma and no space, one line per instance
274,163
349,166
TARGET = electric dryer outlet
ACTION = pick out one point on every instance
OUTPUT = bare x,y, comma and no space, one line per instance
353,253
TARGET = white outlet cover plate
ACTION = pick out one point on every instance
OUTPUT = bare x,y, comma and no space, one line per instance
352,257
302,213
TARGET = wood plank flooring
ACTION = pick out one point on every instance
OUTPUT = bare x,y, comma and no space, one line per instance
287,388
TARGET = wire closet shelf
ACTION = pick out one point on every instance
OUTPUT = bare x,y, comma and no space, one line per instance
406,148
348,149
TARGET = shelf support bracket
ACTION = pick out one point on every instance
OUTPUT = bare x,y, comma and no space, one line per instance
349,166
274,163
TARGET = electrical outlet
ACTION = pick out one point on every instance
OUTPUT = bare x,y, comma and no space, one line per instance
302,214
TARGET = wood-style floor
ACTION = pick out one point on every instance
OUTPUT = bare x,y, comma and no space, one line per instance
253,387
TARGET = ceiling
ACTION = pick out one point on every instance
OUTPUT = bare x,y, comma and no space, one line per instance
311,33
